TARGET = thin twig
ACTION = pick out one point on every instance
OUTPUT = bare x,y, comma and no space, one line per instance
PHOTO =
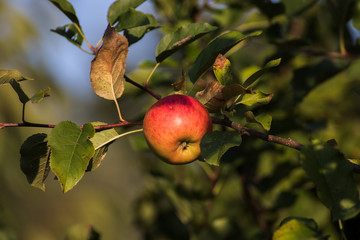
146,89
338,55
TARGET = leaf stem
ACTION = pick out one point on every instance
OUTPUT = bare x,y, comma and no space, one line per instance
150,75
119,136
341,227
118,109
83,36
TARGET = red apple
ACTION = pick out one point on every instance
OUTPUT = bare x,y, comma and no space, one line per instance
174,126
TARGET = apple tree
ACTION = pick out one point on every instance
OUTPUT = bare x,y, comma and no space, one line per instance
276,86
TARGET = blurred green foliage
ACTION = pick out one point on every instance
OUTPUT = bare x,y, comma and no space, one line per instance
316,90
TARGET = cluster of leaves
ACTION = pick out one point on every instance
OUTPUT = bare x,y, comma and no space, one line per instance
175,207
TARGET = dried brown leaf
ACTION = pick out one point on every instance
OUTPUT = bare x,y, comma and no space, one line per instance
216,96
108,66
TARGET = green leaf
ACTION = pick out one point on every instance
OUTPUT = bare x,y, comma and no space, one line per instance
184,35
222,70
101,142
214,144
220,44
108,66
119,7
333,178
34,160
67,8
264,120
136,33
269,65
131,18
40,95
71,151
6,75
71,33
295,228
257,97
22,95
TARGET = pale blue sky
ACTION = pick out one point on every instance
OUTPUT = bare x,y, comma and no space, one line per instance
69,65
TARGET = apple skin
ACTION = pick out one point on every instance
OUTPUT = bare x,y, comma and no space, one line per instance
173,128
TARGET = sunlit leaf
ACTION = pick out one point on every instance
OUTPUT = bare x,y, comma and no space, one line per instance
34,160
333,178
130,19
71,151
67,8
71,33
108,67
40,95
119,7
21,94
6,75
295,228
263,120
222,70
184,35
136,33
257,97
220,45
214,144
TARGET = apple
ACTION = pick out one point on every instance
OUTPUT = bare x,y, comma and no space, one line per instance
173,128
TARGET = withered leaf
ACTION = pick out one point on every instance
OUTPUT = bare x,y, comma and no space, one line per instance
108,66
180,85
216,96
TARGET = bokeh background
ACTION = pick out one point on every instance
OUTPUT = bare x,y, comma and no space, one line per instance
104,198
316,95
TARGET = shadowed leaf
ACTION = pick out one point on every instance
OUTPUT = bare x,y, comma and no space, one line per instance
184,35
214,145
21,94
333,178
119,7
269,65
71,33
136,33
130,19
34,160
220,45
108,67
67,8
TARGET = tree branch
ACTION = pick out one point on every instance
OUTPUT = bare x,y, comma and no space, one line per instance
253,133
41,125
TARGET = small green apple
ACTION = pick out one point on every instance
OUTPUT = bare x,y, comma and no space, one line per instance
174,126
